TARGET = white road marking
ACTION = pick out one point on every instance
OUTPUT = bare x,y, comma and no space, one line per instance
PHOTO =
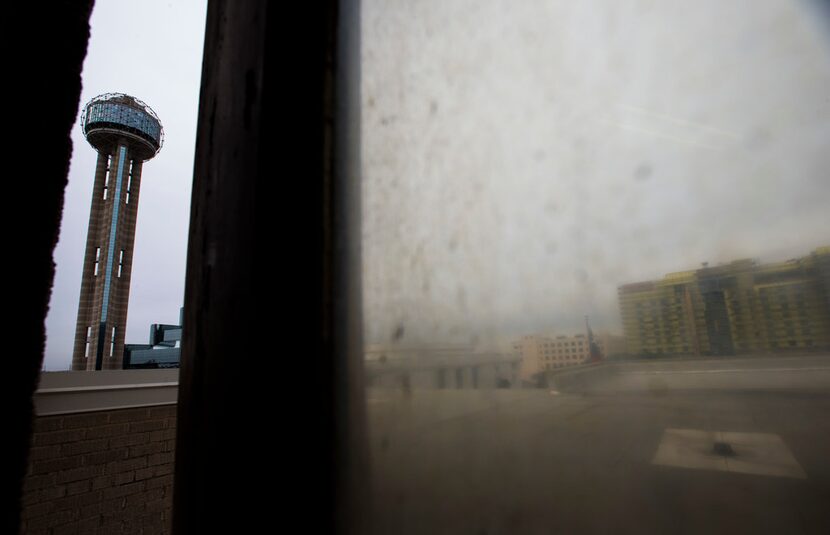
755,453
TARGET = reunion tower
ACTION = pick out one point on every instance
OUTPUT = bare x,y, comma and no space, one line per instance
125,132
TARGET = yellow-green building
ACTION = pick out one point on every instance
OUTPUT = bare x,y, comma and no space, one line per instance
740,307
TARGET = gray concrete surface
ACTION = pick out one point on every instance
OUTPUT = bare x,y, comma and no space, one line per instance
584,459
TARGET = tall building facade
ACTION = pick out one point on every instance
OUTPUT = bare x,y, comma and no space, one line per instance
742,307
126,133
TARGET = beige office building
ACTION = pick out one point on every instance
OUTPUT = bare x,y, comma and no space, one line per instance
540,353
743,307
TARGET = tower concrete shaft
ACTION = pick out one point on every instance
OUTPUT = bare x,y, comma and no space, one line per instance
105,283
125,132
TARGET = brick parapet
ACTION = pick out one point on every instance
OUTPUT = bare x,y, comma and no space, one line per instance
101,472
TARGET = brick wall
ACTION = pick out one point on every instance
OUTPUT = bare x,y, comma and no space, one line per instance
101,472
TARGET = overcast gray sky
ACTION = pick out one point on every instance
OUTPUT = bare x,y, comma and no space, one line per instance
153,51
524,159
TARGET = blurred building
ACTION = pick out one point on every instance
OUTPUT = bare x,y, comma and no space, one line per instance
734,308
439,367
539,353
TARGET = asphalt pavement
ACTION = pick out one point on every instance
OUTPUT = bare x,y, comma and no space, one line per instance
705,446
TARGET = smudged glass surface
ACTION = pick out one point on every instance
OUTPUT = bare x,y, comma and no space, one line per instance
644,180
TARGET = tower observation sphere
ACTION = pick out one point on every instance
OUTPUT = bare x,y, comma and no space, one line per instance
108,118
125,132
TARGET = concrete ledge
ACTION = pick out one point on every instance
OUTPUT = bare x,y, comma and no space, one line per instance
582,377
79,391
803,373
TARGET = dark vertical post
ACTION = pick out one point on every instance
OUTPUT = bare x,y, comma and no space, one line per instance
52,76
271,426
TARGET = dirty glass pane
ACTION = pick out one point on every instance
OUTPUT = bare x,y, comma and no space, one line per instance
597,265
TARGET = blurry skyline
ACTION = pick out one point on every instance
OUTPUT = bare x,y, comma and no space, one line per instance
522,161
152,51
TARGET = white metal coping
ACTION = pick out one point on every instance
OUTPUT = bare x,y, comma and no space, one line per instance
91,391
